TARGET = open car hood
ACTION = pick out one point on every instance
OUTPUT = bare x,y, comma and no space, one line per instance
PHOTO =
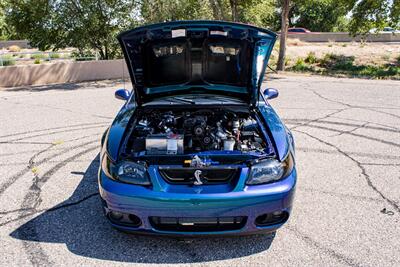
197,56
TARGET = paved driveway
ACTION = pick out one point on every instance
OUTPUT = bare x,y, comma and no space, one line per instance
346,210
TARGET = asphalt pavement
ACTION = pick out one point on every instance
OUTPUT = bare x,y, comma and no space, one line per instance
347,205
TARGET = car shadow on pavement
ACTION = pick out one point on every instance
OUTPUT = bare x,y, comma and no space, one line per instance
79,223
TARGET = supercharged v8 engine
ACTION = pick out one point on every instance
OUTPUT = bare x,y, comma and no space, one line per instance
181,132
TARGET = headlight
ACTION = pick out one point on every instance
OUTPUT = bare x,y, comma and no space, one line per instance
133,173
270,170
127,172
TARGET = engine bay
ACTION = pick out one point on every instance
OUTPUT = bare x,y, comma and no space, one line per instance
179,132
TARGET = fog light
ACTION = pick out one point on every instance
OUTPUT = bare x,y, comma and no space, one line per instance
277,213
116,215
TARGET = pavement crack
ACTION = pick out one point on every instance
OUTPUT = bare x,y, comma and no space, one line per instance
52,133
34,211
361,167
11,180
361,154
319,119
337,194
330,100
380,164
352,106
336,255
354,134
63,109
15,177
365,123
32,199
13,211
55,128
352,130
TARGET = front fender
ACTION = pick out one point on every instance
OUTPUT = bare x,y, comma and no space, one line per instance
277,130
117,131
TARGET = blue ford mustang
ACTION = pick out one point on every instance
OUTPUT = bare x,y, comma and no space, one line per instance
196,149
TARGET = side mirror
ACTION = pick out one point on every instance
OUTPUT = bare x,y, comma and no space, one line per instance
270,93
122,94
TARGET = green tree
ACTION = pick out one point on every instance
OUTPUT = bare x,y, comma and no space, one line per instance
84,24
320,15
5,30
370,14
169,10
262,13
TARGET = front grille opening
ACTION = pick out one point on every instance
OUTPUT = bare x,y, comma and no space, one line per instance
208,224
273,218
209,175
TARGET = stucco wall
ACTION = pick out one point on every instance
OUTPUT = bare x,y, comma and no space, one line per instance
20,43
63,72
344,37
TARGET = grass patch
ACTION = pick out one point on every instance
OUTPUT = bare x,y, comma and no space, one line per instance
38,56
333,64
82,55
37,61
287,60
7,60
54,55
311,58
337,62
386,57
301,65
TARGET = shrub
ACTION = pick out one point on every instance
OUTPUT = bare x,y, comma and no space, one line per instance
14,48
287,60
7,60
37,61
54,55
378,71
344,45
37,56
83,55
311,58
300,65
337,62
386,57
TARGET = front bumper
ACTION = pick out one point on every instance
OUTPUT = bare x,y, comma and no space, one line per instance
198,202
